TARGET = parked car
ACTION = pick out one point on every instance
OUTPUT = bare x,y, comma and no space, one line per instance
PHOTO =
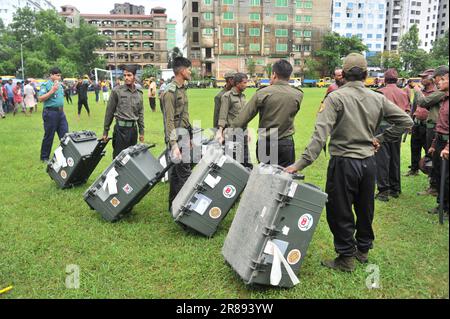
309,83
263,82
295,83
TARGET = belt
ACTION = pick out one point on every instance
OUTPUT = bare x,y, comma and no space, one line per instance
126,123
55,109
443,137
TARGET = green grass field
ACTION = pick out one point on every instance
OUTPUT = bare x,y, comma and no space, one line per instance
44,229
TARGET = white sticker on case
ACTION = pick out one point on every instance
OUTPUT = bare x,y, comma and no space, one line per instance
292,189
126,159
211,181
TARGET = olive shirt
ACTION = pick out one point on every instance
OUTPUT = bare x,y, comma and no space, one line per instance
125,104
352,114
432,103
277,104
175,103
232,103
217,102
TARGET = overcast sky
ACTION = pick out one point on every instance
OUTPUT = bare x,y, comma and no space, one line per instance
174,10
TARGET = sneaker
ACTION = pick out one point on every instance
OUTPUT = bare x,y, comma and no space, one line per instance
412,173
363,258
342,263
382,196
430,191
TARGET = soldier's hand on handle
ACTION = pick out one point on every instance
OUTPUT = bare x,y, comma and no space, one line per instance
105,138
141,138
431,150
376,144
176,153
219,136
291,169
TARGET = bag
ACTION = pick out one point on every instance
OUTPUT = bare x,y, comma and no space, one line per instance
210,192
273,227
76,158
132,174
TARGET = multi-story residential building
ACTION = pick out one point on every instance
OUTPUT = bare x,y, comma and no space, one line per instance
224,35
401,15
442,21
364,19
9,7
171,34
137,39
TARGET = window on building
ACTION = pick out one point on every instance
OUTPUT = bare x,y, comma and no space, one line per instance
194,6
349,25
360,26
208,16
379,36
337,25
254,47
255,17
337,14
306,48
349,15
308,18
281,47
338,4
297,62
228,32
308,5
360,5
255,3
207,32
228,2
281,17
298,33
254,32
360,15
195,37
307,34
281,32
370,26
228,46
369,36
207,2
350,5
228,16
298,18
281,3
195,22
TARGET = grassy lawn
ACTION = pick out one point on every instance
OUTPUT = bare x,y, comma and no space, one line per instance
43,229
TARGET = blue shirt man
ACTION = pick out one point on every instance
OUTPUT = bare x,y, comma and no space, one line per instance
52,95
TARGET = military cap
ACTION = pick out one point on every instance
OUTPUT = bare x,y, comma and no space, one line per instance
441,71
391,74
354,60
229,75
427,73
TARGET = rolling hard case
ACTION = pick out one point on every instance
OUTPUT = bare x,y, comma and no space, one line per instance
76,158
132,174
208,195
273,227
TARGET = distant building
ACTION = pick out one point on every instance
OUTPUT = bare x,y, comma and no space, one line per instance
364,18
442,18
171,34
224,35
136,39
127,8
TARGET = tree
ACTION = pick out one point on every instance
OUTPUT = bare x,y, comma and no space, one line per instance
268,69
251,66
391,59
414,59
311,68
150,71
440,53
336,47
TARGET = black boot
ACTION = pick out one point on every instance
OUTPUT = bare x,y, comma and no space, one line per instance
343,263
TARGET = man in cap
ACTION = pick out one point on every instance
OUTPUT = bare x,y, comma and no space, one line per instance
439,147
176,119
388,157
420,116
432,103
152,94
127,107
352,115
277,105
232,104
218,98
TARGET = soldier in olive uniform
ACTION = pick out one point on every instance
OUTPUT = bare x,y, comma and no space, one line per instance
176,116
218,98
432,103
127,107
232,104
277,106
351,115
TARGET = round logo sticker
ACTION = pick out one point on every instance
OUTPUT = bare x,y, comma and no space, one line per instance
70,162
229,191
215,212
305,222
63,174
294,256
